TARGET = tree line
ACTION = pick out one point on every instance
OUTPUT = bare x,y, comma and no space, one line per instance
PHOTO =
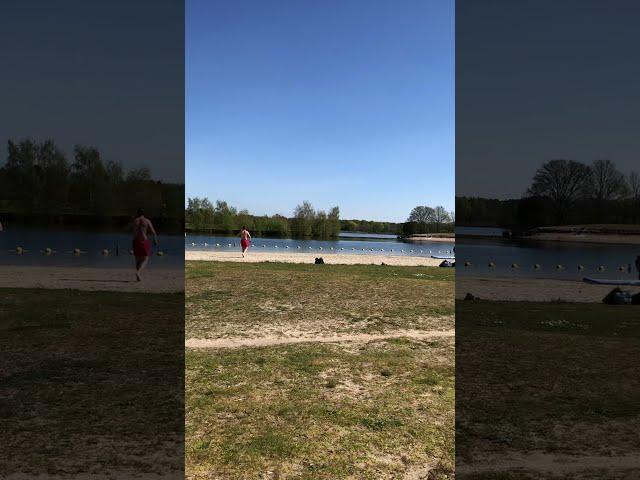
38,180
306,222
562,192
202,215
425,219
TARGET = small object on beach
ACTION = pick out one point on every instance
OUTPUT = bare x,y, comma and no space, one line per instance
536,266
491,264
319,261
469,296
383,264
447,263
105,252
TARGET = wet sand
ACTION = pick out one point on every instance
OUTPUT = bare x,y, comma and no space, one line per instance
94,279
331,258
532,289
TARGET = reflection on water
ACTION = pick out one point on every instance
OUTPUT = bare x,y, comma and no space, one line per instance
98,249
522,258
389,246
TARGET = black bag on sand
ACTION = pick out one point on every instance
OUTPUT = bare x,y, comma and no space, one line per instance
617,297
319,261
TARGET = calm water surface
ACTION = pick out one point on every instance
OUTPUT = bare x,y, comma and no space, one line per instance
365,246
63,242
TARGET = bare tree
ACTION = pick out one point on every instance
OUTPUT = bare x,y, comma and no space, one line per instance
422,215
608,182
634,186
563,182
441,216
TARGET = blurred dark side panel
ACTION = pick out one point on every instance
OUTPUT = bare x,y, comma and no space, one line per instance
91,134
547,239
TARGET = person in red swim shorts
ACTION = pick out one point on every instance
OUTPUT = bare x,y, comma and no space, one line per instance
142,226
245,240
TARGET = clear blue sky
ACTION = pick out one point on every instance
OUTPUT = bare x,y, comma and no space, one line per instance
339,102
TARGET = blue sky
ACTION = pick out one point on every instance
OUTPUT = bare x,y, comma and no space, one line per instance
339,102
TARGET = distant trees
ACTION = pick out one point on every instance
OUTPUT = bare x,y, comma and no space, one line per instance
424,219
562,192
38,179
201,215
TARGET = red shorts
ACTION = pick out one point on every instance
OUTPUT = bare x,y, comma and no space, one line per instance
142,248
244,243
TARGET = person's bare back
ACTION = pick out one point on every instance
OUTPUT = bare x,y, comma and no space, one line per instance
141,227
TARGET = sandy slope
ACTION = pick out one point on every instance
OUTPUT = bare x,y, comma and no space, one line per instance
86,278
342,258
532,289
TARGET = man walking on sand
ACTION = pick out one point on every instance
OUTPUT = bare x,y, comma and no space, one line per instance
245,240
142,226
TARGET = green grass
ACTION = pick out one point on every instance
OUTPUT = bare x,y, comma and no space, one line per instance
90,381
320,411
553,377
377,410
232,299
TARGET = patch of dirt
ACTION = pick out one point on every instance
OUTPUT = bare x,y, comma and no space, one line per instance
268,341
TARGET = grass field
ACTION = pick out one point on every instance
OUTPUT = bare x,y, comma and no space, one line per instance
358,409
548,382
91,383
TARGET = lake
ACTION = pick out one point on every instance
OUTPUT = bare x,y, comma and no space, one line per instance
91,243
361,245
598,261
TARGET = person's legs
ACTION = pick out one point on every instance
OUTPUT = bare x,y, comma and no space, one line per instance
141,262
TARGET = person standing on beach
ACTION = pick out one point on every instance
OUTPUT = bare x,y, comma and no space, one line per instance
245,240
142,226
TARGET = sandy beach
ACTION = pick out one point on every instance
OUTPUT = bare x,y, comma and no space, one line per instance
94,279
331,258
532,289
